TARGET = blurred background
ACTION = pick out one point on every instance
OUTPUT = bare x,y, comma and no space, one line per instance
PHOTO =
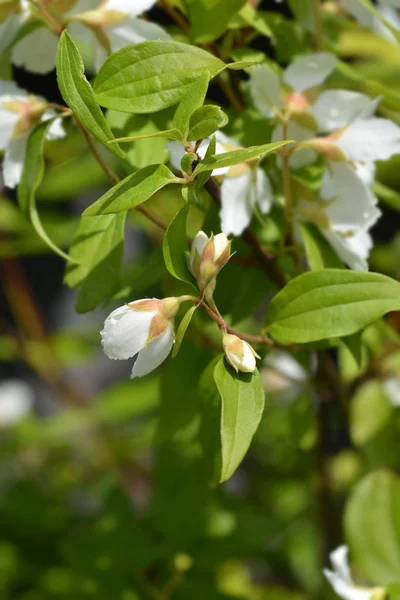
102,491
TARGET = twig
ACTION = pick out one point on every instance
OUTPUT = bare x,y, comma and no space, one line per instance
264,259
287,189
318,25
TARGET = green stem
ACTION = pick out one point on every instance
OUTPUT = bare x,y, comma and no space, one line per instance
318,25
289,209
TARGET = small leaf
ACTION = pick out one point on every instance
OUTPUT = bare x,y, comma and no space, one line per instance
256,20
183,325
354,346
242,396
193,100
330,303
175,247
133,190
235,157
31,178
205,121
320,254
171,134
150,76
98,244
78,93
209,20
372,526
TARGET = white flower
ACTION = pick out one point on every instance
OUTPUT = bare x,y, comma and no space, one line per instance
268,88
19,113
243,188
16,400
114,22
367,19
341,580
391,386
207,257
284,375
239,353
144,328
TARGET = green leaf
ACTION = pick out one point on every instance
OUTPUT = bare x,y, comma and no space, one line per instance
78,93
394,591
256,20
205,121
235,157
98,243
330,303
370,412
354,346
147,77
209,20
175,247
242,396
303,13
133,190
31,178
191,101
183,325
320,254
372,526
171,134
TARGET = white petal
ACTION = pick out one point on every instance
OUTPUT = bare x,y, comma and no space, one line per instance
354,204
56,129
237,203
310,70
176,153
352,250
366,172
134,31
337,108
296,132
368,140
132,7
265,89
340,578
8,120
198,244
392,3
154,354
36,52
359,12
391,386
263,191
13,162
220,244
286,365
16,400
125,332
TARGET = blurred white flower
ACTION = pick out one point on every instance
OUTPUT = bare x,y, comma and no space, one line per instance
284,376
391,387
243,188
103,26
239,353
16,401
367,19
144,328
341,580
20,112
271,91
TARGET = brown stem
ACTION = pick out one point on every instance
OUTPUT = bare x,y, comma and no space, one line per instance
264,259
56,27
175,15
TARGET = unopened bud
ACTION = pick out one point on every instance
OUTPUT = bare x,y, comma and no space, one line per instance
327,146
207,257
239,353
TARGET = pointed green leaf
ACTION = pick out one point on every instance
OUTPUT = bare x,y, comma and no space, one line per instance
330,303
242,396
372,526
354,346
191,101
133,190
183,325
209,20
171,134
147,77
78,93
319,253
31,178
175,247
98,244
235,157
205,121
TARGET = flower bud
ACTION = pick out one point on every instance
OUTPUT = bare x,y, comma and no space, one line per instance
239,353
207,257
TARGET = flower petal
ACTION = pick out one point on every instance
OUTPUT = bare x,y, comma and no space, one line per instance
128,6
391,386
16,400
36,52
371,139
237,203
340,578
337,108
134,31
263,191
56,129
8,120
125,332
154,354
353,248
265,89
198,244
310,70
13,162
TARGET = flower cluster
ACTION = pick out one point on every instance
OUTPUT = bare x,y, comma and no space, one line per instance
145,328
